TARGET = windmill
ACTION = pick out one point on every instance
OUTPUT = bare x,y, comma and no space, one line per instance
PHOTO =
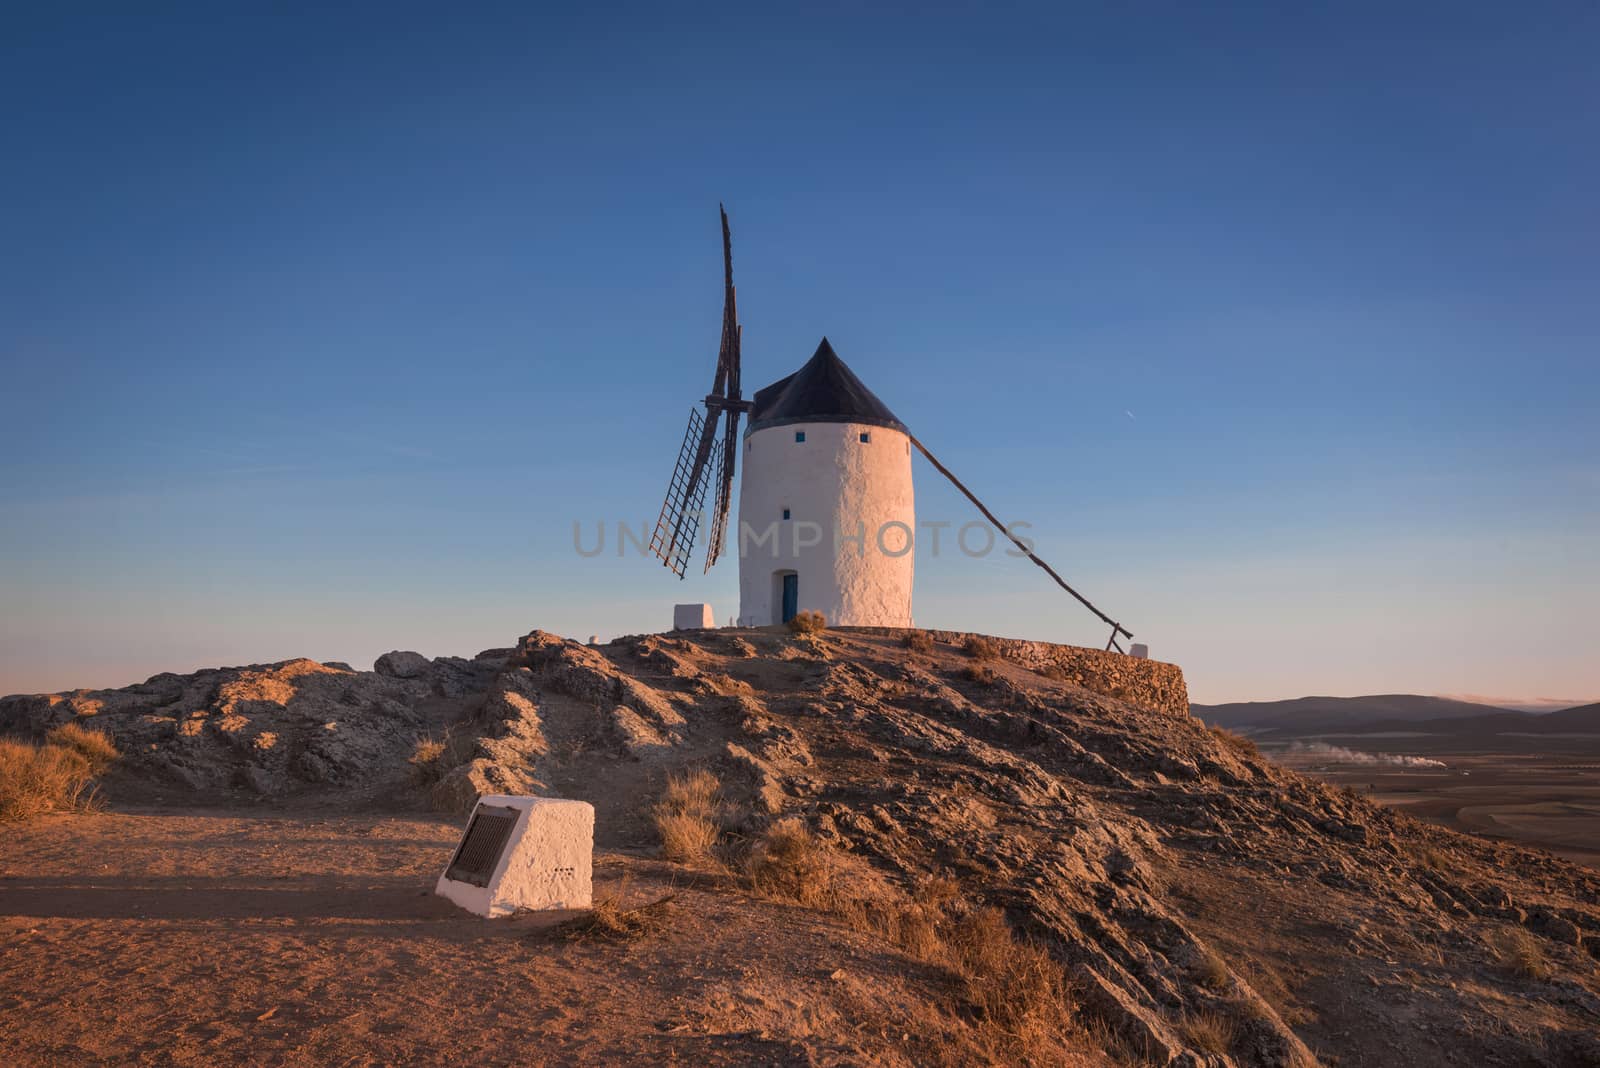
822,393
700,463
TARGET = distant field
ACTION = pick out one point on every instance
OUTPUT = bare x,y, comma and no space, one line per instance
1523,792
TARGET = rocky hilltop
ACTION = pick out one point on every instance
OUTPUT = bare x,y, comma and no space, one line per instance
1176,873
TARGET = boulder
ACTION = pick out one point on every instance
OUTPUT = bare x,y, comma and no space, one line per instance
402,665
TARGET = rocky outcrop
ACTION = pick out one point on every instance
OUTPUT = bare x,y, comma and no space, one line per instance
511,741
263,730
402,665
1146,683
1176,876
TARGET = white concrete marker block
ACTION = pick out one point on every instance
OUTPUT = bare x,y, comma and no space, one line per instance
693,617
522,853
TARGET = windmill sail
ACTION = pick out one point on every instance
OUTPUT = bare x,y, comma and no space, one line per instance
700,463
719,518
681,512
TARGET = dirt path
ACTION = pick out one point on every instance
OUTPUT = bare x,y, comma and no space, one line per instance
206,937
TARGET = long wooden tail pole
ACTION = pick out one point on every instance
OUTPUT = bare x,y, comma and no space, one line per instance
1116,628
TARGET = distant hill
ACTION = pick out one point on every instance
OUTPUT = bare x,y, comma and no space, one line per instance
1325,713
1583,717
1580,720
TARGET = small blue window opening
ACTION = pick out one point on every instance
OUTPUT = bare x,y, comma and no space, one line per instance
866,435
786,513
799,435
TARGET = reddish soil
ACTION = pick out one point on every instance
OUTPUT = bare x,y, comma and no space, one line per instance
212,937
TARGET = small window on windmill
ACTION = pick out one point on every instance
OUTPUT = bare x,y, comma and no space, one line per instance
786,513
866,436
799,436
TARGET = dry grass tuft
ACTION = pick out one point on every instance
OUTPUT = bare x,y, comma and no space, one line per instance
1237,742
1209,1032
1436,860
609,921
1210,970
688,816
1265,980
808,623
1119,1048
427,761
793,864
1519,953
980,648
982,674
35,780
94,746
936,891
918,641
685,839
1013,983
1015,991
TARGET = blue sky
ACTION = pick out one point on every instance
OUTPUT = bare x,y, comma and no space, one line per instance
320,330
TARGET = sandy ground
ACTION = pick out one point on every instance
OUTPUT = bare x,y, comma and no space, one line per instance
215,937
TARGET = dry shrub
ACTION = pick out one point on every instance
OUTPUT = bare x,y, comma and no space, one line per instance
918,641
427,761
1012,983
982,674
1015,990
1519,953
936,891
1248,1008
1210,970
685,839
1436,860
1237,742
1265,980
95,747
433,758
808,623
912,928
793,864
687,816
39,779
1120,1048
917,932
980,648
609,921
1210,1032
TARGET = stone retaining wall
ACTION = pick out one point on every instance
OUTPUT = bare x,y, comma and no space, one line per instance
1146,683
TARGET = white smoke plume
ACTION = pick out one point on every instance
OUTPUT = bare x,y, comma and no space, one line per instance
1323,753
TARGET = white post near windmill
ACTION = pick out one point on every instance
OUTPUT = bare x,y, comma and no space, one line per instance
826,508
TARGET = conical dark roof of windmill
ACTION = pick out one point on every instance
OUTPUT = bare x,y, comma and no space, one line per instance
825,390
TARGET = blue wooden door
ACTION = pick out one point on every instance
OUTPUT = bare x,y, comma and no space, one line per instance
791,597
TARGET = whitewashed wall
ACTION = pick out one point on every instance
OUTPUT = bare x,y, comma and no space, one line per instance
835,481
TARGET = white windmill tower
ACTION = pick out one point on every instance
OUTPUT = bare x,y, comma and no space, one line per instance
826,510
826,507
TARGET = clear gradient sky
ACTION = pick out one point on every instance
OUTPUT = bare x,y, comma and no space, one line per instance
319,331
